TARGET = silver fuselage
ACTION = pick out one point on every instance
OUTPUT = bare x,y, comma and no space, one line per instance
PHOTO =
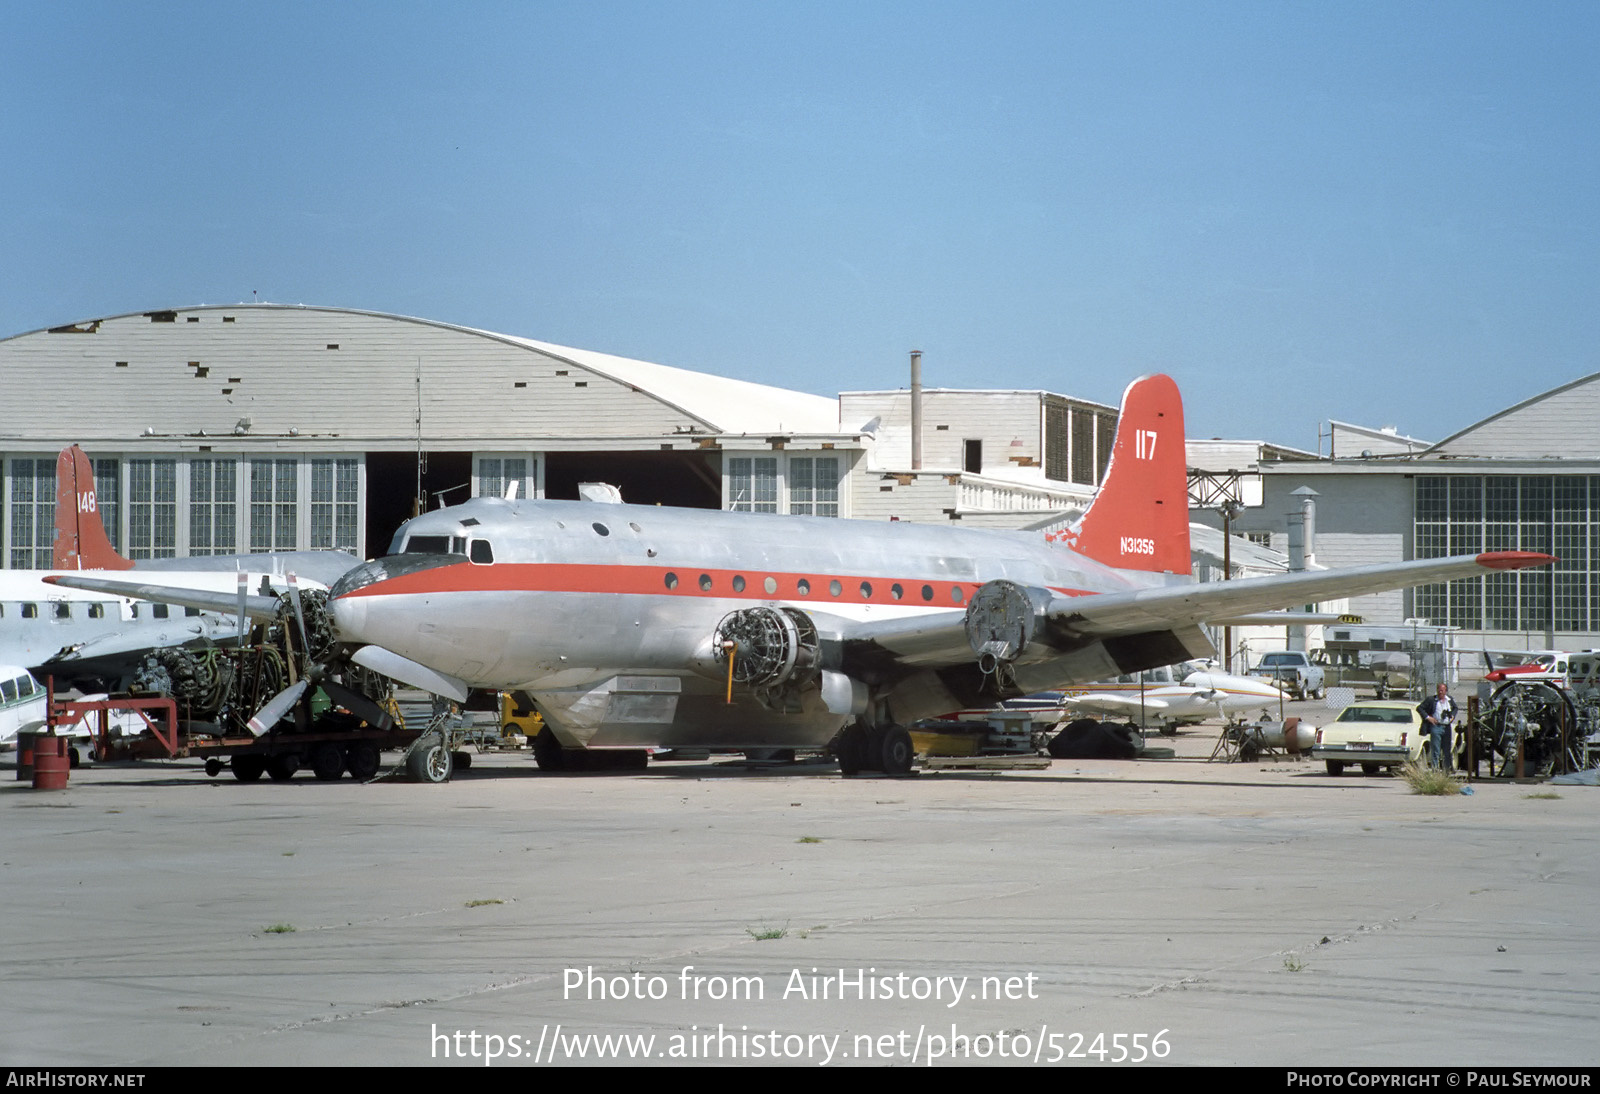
605,613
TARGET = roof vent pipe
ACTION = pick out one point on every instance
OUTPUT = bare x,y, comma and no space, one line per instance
916,410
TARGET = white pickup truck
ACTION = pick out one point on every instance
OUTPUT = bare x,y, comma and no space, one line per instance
1292,671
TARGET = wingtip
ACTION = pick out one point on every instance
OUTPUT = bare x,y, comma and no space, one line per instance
1514,560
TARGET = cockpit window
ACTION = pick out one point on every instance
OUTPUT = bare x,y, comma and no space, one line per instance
480,551
428,545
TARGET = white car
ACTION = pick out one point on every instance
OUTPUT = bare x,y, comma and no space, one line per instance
1376,734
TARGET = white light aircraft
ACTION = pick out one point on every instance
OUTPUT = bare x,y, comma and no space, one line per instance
635,626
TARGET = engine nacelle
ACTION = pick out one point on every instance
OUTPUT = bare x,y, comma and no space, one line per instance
1002,619
773,649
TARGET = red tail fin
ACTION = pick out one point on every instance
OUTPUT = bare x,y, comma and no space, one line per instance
1140,518
81,542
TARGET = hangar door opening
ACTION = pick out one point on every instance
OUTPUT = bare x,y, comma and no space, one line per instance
392,484
690,480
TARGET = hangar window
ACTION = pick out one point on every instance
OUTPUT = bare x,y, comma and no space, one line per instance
753,484
33,512
814,486
479,551
498,474
801,485
274,505
191,319
152,508
335,503
213,507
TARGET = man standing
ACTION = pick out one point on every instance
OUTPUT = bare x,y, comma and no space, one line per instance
1438,714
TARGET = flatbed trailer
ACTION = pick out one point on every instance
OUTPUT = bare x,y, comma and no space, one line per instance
348,744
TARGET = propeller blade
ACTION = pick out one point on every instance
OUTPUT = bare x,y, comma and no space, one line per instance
280,704
358,704
299,616
244,620
407,671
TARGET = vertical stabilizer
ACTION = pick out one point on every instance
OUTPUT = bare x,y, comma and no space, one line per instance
81,542
1140,518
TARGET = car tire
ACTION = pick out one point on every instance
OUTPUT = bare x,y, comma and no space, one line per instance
1335,768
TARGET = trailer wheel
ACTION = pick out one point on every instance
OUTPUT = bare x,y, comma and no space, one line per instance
281,768
213,767
429,763
361,759
247,767
327,762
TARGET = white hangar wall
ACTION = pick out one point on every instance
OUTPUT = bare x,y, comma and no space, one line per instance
270,427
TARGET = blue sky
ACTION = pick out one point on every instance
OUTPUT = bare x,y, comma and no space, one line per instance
1385,213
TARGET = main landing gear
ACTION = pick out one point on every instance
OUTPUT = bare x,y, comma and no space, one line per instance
886,749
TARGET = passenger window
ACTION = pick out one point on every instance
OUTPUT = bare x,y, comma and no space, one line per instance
97,611
30,611
158,610
480,551
61,609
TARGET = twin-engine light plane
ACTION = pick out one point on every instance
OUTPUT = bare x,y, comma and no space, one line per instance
636,626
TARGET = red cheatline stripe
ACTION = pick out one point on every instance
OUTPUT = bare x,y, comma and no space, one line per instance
558,577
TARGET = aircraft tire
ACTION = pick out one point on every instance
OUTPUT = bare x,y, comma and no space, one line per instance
362,760
851,750
327,762
281,768
429,763
547,751
895,754
246,767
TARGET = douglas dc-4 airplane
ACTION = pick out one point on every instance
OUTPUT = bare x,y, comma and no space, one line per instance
634,626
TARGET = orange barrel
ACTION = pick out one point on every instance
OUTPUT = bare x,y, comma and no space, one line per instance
50,763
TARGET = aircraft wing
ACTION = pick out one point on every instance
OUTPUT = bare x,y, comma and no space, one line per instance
1109,703
1014,617
256,606
1172,606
